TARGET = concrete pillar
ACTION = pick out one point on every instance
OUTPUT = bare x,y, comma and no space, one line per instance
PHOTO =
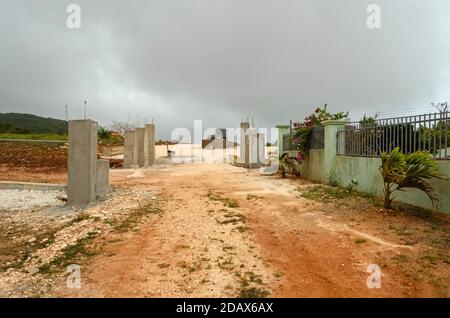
139,158
252,147
331,128
243,147
221,133
149,145
282,130
82,162
102,182
261,147
128,149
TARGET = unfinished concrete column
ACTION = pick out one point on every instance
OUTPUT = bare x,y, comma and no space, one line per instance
82,162
243,148
149,145
261,147
102,182
128,149
252,134
139,159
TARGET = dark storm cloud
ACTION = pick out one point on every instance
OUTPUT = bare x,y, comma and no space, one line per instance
181,60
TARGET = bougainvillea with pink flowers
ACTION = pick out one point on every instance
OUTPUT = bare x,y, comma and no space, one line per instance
302,130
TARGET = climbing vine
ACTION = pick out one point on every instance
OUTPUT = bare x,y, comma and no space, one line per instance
301,136
302,130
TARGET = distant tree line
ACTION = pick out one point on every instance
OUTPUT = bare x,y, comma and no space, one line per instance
31,124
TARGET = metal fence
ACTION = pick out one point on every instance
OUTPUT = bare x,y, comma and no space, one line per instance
316,140
369,138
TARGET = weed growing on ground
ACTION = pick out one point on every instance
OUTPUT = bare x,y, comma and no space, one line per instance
70,255
133,219
228,202
328,194
248,280
251,197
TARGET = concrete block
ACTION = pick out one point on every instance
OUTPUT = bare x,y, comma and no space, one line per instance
149,145
82,162
128,149
221,133
102,182
139,158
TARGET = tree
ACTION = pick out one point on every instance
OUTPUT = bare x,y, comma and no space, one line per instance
120,127
413,170
104,133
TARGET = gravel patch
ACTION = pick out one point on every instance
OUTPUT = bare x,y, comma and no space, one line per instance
26,200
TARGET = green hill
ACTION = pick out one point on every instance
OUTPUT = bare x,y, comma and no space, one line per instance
31,124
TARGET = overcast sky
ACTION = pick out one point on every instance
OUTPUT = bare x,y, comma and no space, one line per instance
180,60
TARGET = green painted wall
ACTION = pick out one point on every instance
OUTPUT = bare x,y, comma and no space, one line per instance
312,167
325,166
365,172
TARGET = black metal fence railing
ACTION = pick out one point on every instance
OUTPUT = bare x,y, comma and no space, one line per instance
316,140
369,138
288,142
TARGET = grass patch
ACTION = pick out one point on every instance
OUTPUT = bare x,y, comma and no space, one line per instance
251,197
228,202
53,137
43,239
251,277
232,218
402,258
360,241
226,264
132,220
325,194
228,248
430,259
70,255
278,274
248,289
329,194
253,292
242,229
80,217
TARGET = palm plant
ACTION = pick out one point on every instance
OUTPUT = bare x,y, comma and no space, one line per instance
413,170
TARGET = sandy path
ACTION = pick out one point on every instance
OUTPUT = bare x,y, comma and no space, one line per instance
225,231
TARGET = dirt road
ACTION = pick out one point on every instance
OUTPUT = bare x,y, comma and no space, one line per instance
220,230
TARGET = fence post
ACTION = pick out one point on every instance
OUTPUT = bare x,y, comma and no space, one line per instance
282,130
331,128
